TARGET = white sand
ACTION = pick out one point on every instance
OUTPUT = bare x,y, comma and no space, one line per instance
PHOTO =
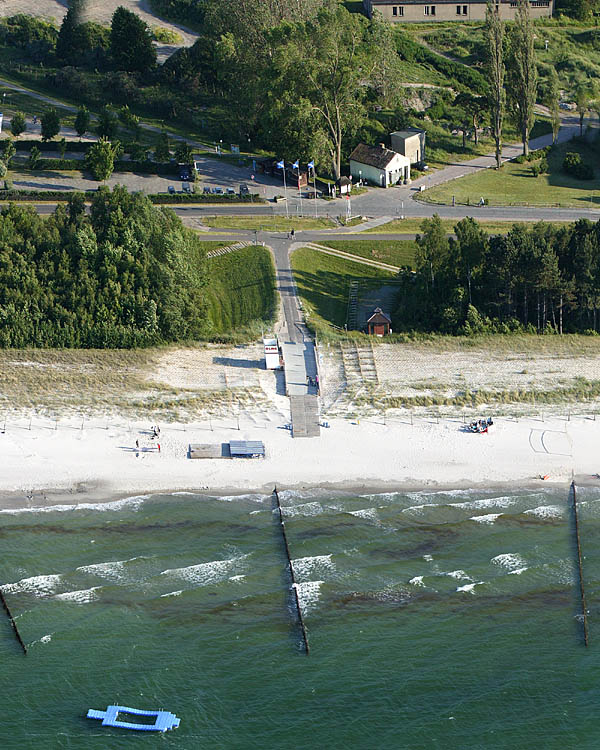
368,454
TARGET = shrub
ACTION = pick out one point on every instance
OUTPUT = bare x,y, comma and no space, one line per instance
166,36
574,166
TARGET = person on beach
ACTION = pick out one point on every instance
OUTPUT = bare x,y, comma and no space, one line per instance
137,444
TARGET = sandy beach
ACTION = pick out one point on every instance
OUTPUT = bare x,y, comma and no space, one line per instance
63,463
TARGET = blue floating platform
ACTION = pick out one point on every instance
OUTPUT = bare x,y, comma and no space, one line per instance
164,720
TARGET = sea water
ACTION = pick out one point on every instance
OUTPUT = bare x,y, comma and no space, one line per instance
435,620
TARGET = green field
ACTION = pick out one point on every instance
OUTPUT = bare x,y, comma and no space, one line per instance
268,223
323,282
514,185
395,252
241,290
413,226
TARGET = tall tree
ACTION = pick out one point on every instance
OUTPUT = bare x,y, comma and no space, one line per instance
18,124
100,159
131,45
494,37
522,73
326,89
471,243
582,102
107,123
67,43
50,124
553,102
432,248
82,121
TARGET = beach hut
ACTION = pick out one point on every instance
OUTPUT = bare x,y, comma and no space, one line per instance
379,324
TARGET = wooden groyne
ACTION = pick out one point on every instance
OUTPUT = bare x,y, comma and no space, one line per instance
12,622
292,575
584,611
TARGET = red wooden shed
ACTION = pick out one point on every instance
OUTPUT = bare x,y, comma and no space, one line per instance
379,324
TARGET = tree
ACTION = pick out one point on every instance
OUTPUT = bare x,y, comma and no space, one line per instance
432,247
494,38
130,121
9,151
162,151
82,121
18,124
3,169
131,45
67,45
34,158
183,153
522,73
582,101
100,159
471,108
62,147
471,242
553,102
50,124
321,97
107,123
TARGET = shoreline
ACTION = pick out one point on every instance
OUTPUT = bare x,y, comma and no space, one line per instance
101,464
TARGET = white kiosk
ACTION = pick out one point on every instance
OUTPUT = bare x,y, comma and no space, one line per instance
272,361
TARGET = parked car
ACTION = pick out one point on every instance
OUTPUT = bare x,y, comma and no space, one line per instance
244,189
218,191
206,189
171,189
230,191
186,187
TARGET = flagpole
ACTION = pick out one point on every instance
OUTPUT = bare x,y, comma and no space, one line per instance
300,191
315,191
287,209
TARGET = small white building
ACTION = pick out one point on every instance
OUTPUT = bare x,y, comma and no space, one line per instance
411,143
272,358
379,165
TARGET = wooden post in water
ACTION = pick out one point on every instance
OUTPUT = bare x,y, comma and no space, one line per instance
292,576
12,622
580,566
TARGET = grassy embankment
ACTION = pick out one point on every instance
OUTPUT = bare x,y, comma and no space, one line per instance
323,282
413,226
514,184
241,293
395,252
268,223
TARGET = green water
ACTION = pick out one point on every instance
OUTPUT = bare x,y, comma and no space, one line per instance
427,629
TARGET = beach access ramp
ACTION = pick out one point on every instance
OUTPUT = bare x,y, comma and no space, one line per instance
300,368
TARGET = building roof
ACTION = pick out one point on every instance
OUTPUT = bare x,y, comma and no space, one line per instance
344,180
379,317
373,156
407,132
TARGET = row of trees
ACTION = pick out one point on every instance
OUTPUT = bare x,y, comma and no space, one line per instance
125,274
537,278
128,46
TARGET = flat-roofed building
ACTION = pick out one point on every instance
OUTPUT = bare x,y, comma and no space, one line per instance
411,143
415,11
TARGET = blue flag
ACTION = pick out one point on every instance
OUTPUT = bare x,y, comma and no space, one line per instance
311,165
296,164
280,164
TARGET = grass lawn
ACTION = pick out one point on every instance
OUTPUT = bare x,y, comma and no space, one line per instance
394,252
272,223
513,185
413,226
323,282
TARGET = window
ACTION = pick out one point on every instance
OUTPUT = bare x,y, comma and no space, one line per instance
458,10
540,3
429,10
400,10
433,10
461,10
394,11
464,10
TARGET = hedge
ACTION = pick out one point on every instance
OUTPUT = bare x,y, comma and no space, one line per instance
52,196
73,146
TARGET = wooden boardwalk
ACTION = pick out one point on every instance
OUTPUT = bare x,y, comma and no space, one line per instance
305,416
